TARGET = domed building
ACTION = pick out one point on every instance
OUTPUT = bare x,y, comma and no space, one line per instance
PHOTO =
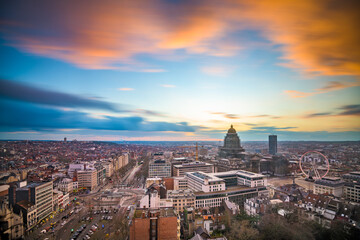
232,146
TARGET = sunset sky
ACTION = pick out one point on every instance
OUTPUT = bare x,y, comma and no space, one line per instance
179,70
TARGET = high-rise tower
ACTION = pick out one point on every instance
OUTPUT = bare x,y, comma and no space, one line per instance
272,144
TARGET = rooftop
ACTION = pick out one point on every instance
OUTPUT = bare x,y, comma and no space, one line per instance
238,172
191,164
208,176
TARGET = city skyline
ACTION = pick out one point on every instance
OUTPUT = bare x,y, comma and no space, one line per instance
173,70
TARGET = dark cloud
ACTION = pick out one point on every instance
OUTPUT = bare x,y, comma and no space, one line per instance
149,112
271,128
320,114
20,92
345,110
350,110
26,116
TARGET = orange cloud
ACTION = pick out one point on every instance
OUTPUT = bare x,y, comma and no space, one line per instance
316,37
297,94
329,87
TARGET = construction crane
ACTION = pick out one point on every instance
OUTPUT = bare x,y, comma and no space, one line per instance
196,150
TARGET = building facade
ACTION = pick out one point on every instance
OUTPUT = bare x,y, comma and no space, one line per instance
159,168
352,186
88,178
180,183
155,224
329,185
11,224
204,182
181,199
179,170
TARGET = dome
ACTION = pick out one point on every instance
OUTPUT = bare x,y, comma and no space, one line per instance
231,129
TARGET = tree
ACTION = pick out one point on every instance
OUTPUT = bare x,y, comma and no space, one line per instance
242,230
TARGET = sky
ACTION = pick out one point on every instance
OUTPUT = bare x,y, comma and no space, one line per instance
179,70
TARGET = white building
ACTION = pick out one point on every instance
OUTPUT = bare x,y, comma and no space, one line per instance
180,183
159,168
204,182
67,185
153,200
329,185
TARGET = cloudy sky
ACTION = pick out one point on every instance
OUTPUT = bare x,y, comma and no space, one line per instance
179,70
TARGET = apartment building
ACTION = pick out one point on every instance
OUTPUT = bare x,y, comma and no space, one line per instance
181,199
88,178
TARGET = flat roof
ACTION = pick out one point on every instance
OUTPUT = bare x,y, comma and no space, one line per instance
228,190
207,176
192,164
238,172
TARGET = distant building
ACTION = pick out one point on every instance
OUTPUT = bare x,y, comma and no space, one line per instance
272,144
329,185
352,186
181,169
155,224
232,146
87,178
159,168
